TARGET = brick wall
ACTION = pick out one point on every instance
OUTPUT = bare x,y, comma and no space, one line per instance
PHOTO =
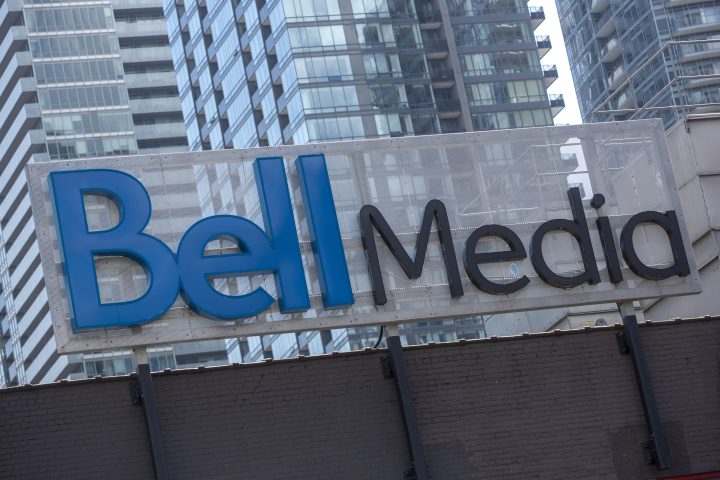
545,406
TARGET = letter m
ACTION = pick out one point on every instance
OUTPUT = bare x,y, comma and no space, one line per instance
371,217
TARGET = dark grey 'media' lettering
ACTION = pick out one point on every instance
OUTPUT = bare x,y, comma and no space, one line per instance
371,217
607,240
668,222
472,259
372,220
577,227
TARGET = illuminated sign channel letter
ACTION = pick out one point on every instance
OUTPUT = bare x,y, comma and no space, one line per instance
275,250
79,246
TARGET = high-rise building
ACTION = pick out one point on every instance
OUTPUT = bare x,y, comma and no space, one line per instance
149,76
79,79
258,73
268,73
643,58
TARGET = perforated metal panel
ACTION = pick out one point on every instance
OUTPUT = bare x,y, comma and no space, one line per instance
517,178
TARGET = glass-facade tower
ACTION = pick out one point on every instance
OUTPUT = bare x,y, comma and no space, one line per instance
256,73
623,66
78,79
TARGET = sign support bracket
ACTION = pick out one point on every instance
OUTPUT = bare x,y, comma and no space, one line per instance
144,394
630,342
396,368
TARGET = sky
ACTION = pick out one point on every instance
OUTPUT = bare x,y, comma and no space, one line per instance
558,56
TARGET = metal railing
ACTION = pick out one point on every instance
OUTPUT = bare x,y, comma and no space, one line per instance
549,70
556,100
679,94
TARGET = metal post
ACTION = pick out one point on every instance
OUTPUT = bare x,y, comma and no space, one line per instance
407,407
146,397
656,448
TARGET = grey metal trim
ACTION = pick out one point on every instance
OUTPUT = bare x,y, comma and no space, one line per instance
152,421
657,450
407,407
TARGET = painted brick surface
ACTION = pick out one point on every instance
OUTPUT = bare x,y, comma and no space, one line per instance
567,406
311,419
89,430
548,407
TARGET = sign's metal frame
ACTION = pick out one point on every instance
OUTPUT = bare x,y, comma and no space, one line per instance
69,342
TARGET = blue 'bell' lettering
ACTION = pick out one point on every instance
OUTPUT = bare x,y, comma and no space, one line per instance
189,272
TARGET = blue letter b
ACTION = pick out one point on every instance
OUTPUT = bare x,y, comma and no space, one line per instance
79,246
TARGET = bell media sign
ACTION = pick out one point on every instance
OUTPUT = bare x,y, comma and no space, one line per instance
331,273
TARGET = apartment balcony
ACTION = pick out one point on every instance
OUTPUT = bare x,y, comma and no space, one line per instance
23,93
276,72
611,51
12,375
270,45
598,6
605,24
10,11
15,41
704,100
263,14
703,21
537,16
448,107
679,3
699,51
180,147
711,74
18,67
160,130
207,25
146,54
282,103
151,79
202,100
442,78
436,50
543,45
130,4
9,352
144,106
616,77
142,28
557,103
5,327
625,100
550,74
429,20
189,52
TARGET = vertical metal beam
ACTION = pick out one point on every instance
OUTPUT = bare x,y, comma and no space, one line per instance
657,446
152,421
407,407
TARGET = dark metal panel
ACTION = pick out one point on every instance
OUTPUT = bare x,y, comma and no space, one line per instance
152,421
657,450
399,373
